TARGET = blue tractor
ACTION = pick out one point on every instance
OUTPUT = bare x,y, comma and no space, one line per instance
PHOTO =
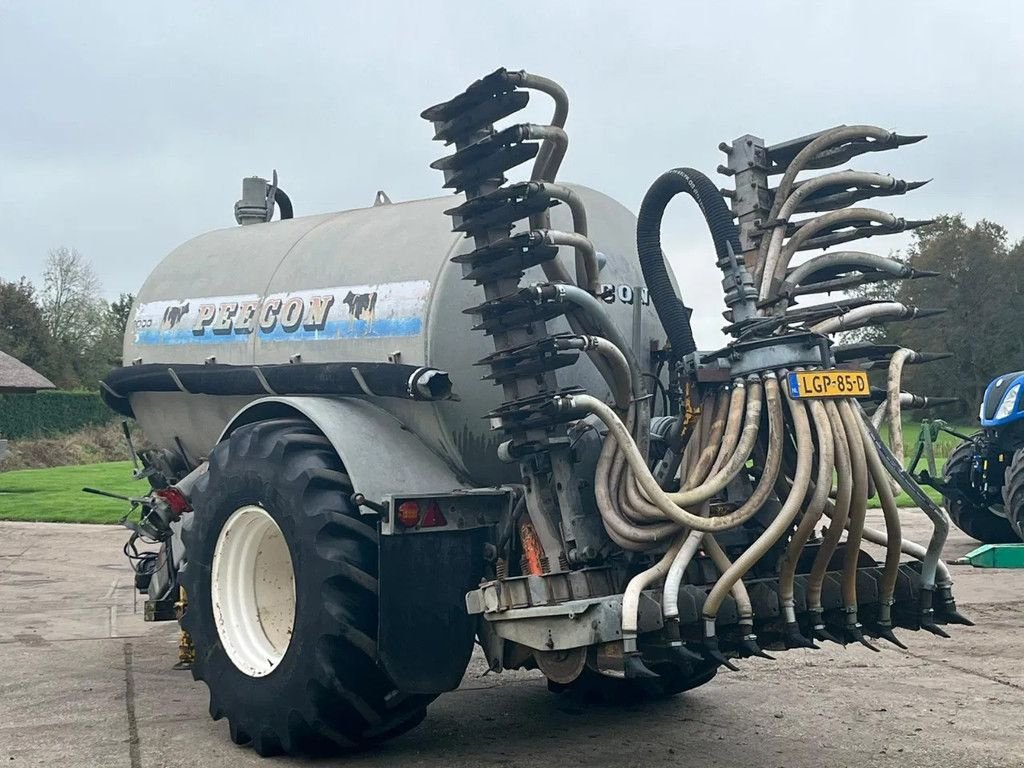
983,480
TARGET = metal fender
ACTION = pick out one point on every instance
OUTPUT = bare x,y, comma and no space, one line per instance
380,454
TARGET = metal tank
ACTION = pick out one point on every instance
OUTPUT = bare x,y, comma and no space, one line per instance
367,285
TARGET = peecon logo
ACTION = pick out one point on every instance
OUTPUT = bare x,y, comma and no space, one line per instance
242,317
338,312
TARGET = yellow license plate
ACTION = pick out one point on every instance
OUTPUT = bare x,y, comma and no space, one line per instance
831,383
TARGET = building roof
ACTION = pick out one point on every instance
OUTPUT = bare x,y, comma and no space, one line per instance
15,376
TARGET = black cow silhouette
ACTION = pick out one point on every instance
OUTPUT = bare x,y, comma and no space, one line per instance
173,315
361,306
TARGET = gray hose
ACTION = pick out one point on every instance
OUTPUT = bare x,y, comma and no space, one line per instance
858,511
738,590
893,380
638,498
710,445
732,430
861,316
561,114
839,259
792,202
935,513
590,314
799,162
823,485
642,475
840,514
811,228
778,527
894,537
585,256
622,388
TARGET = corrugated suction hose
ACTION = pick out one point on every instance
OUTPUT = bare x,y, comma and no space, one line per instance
673,313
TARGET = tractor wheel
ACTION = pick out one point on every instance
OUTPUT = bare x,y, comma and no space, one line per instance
281,577
976,520
1013,492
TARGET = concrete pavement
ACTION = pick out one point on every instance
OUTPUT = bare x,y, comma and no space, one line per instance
85,682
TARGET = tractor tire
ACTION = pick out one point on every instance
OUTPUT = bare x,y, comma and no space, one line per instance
281,579
976,520
1013,492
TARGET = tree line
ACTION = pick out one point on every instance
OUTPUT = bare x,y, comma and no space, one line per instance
981,288
64,329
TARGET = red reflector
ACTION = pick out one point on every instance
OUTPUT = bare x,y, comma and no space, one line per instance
408,514
175,500
433,518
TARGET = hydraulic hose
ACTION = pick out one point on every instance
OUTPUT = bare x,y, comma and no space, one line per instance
586,257
622,388
580,226
766,268
815,508
673,313
778,526
861,316
839,515
893,532
840,260
637,497
776,270
642,475
892,402
858,512
803,157
561,114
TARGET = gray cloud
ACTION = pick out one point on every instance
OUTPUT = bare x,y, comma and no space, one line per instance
125,128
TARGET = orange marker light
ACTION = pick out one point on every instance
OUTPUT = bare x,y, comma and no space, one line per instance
408,514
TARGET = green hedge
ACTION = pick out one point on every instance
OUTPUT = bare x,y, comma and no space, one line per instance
50,413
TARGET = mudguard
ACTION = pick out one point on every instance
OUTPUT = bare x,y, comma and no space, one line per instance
380,454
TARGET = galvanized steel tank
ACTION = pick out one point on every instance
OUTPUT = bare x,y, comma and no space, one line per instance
367,285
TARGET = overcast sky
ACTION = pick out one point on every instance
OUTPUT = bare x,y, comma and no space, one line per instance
125,128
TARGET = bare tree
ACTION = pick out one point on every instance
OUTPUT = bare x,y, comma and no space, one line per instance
70,299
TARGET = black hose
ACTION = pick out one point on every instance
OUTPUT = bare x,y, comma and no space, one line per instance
673,313
284,203
408,382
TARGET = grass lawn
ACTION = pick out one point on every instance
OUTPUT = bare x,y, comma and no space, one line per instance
55,495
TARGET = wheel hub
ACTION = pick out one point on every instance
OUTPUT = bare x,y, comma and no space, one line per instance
253,591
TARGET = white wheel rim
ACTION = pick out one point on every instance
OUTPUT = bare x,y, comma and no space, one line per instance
253,591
